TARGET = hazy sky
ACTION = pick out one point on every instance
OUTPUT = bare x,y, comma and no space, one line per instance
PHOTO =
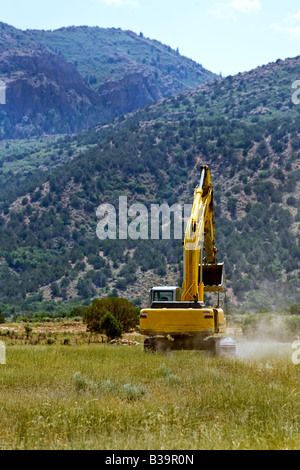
227,36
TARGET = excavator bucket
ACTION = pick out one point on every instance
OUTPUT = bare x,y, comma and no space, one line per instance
214,278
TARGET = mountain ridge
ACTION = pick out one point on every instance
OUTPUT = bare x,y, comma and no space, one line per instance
80,80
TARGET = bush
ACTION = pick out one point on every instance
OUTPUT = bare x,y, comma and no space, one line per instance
77,319
124,312
132,391
82,384
22,320
129,391
167,373
291,201
28,330
294,309
111,326
78,311
4,332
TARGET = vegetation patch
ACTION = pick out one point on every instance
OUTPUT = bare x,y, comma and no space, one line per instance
91,396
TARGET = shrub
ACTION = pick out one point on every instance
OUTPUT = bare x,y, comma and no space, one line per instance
231,206
164,370
111,326
167,373
291,201
124,311
172,378
77,319
78,311
82,384
295,309
22,320
129,391
4,332
50,340
121,284
132,391
47,319
28,330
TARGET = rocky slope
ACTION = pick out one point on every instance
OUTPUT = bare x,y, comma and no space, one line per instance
61,90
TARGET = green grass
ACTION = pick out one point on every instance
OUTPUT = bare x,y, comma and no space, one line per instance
108,397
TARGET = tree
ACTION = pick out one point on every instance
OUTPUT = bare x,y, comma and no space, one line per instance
124,311
28,330
54,289
231,206
295,309
78,311
111,326
2,319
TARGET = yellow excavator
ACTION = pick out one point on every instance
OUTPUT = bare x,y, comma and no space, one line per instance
178,320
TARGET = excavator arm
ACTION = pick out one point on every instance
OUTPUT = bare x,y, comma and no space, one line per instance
199,237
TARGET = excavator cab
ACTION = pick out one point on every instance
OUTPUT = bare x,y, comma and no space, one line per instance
164,294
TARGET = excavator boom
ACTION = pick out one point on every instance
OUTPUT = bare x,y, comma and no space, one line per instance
199,236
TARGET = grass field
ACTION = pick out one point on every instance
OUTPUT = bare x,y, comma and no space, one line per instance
112,397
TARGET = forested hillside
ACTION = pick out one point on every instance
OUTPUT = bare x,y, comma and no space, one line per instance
102,55
48,242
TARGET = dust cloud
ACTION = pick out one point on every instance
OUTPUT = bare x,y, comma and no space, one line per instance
262,348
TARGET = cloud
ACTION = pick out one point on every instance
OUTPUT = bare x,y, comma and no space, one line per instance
121,3
290,25
292,31
245,6
231,9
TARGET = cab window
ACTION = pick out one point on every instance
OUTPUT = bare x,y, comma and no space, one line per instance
163,296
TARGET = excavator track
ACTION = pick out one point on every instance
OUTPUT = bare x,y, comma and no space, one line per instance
157,344
213,345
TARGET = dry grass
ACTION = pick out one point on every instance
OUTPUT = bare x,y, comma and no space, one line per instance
98,396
